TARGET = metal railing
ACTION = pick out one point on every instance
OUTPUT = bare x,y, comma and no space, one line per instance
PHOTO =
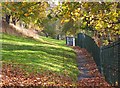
109,62
89,44
106,57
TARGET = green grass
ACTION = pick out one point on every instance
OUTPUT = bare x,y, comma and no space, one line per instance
41,55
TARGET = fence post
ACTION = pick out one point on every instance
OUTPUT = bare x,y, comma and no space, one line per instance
101,61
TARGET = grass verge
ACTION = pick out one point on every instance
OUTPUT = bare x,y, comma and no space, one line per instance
41,55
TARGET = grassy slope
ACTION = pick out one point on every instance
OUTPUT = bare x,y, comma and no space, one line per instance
46,54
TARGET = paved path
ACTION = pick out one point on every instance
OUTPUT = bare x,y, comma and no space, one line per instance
89,74
82,61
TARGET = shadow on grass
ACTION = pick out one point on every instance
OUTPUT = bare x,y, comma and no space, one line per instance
43,40
47,49
40,57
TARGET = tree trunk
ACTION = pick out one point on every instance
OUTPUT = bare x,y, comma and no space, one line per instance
8,18
14,20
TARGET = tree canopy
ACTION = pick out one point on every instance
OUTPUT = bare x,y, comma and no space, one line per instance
101,18
26,11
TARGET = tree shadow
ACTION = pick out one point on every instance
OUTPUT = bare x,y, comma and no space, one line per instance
45,57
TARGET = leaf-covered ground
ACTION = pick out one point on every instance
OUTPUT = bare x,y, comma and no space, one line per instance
89,76
47,63
13,75
37,57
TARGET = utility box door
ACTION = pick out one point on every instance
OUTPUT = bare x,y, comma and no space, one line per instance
70,41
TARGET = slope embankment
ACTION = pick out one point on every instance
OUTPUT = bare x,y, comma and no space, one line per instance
12,29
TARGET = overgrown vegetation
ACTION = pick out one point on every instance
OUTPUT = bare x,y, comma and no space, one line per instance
39,56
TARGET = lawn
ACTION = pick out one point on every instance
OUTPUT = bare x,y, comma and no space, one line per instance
41,55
